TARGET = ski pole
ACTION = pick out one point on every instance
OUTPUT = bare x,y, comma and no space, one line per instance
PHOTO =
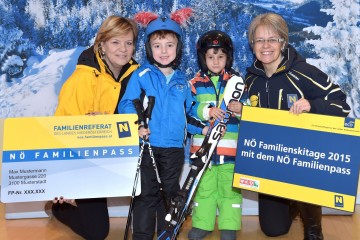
140,121
131,205
143,120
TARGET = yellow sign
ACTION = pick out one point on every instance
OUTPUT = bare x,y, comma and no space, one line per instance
72,156
69,131
308,157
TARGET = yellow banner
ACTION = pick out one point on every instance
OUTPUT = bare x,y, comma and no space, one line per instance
71,156
308,157
308,121
69,131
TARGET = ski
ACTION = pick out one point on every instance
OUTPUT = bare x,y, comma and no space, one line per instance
180,206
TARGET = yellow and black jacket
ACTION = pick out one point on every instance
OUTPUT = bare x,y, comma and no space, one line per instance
92,87
295,79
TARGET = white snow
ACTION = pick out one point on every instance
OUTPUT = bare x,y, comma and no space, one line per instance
35,94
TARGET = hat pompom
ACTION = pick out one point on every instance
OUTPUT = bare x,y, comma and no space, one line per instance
144,18
181,16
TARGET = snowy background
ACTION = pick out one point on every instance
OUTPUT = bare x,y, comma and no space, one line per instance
40,41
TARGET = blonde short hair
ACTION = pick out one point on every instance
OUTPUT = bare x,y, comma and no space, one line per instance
113,26
270,20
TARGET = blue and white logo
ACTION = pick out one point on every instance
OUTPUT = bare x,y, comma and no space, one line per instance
349,122
180,87
291,98
123,129
339,201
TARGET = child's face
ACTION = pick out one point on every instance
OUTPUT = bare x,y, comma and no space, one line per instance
164,48
215,60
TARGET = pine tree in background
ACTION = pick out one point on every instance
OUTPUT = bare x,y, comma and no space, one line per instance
14,46
339,49
32,31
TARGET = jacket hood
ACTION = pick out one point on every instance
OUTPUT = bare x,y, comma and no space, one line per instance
291,58
88,58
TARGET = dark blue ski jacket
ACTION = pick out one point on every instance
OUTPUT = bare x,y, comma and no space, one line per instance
295,79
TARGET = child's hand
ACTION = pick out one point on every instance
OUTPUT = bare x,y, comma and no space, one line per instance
144,133
217,113
223,132
205,130
235,107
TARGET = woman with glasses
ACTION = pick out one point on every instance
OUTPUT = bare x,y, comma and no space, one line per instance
280,78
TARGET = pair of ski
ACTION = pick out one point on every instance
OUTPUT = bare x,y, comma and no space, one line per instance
180,206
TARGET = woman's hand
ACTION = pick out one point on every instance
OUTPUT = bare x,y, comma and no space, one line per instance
93,113
300,106
235,107
62,200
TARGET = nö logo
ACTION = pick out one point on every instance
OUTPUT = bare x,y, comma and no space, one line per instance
123,129
291,98
349,122
339,201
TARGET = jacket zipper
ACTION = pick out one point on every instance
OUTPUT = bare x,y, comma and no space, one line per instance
268,94
280,98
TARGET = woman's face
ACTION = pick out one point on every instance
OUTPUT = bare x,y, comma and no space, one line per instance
267,46
118,51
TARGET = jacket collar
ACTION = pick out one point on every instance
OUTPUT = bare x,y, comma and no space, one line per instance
290,57
90,59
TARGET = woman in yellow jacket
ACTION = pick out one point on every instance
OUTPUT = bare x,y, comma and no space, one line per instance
102,71
96,87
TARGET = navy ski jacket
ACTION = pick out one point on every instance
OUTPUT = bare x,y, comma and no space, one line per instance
173,101
295,79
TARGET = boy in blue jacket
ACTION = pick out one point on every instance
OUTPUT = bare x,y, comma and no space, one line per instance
159,77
